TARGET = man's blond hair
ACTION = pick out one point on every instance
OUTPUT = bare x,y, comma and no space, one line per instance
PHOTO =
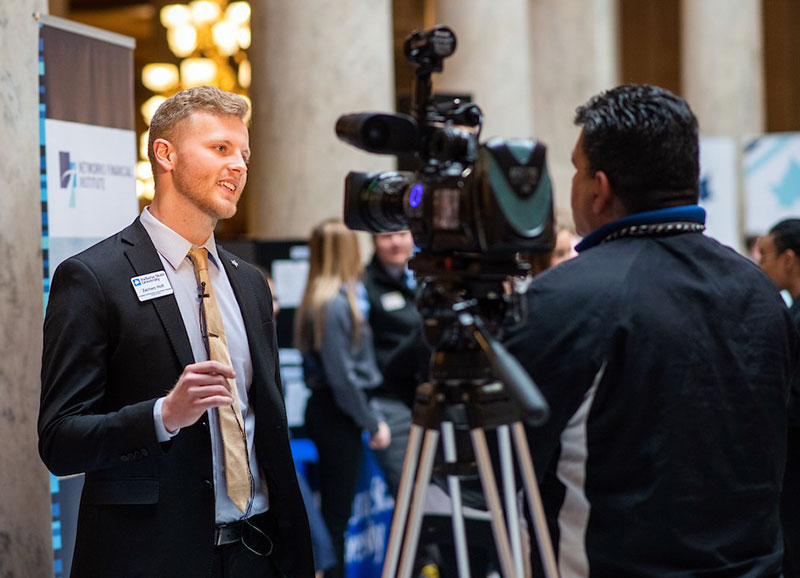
177,108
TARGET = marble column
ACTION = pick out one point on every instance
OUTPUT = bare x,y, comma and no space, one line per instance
492,62
722,65
575,55
723,73
312,61
25,530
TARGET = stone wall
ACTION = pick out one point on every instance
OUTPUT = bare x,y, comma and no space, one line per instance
25,535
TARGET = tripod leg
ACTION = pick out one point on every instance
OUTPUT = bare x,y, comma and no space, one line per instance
510,494
540,529
417,505
457,512
403,500
493,500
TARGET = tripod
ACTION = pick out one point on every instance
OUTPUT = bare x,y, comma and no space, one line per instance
463,390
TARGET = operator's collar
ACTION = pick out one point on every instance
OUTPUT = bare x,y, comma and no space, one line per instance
683,219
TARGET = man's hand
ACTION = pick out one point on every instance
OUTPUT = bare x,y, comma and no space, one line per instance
381,439
200,387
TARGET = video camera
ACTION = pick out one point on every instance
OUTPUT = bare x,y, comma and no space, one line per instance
473,204
472,209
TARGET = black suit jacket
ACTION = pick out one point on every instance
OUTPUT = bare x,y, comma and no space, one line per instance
147,508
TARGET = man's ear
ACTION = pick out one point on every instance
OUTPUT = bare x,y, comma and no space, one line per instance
603,200
790,260
164,153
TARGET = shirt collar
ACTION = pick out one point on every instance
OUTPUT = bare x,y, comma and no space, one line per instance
691,213
170,244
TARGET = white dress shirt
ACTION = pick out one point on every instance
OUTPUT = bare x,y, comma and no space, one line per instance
173,250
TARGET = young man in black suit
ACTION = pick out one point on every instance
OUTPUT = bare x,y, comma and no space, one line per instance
131,397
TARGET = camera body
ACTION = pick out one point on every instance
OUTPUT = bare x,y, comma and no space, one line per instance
487,201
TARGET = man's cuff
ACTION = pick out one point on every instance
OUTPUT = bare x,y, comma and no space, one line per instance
162,433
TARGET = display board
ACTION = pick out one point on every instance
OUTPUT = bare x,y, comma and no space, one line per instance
719,190
771,180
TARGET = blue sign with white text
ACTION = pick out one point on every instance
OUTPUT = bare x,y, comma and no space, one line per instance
368,528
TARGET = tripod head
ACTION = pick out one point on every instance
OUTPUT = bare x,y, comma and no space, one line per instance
465,308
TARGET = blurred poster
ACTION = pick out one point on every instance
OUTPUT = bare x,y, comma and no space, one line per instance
370,522
88,185
290,281
88,137
771,180
719,190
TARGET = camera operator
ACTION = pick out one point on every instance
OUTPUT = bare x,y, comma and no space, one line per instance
666,359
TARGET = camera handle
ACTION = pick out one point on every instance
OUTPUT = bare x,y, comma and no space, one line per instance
505,366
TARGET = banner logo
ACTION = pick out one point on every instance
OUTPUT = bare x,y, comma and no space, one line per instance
69,176
88,175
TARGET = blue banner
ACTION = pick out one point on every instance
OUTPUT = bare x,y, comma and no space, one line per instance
369,525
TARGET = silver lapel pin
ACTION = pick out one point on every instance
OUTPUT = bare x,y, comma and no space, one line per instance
235,263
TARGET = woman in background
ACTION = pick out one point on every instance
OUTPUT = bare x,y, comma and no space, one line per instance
566,239
339,363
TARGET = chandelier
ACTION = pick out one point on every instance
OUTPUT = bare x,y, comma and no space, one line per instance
210,37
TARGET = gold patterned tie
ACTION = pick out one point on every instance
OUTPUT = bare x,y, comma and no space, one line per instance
231,424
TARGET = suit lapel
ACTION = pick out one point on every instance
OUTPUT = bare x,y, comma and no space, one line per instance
244,291
144,258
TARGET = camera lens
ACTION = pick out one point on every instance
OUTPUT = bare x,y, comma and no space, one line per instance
374,201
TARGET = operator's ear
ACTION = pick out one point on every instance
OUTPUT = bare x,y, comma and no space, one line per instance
790,260
604,199
164,153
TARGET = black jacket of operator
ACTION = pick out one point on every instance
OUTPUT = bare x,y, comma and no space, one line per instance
666,361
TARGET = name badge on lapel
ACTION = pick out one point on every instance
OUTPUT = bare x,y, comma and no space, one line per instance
151,285
393,301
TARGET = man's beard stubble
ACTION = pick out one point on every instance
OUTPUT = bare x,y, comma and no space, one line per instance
193,188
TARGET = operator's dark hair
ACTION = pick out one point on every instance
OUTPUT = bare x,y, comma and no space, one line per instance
786,235
644,138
